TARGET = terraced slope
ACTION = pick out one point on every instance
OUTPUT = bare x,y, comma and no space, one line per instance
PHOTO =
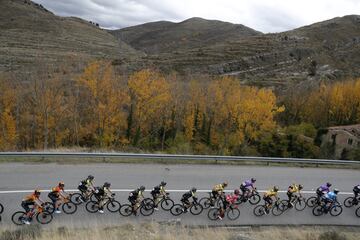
279,60
32,36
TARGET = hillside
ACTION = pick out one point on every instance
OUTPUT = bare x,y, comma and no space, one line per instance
32,36
164,37
276,60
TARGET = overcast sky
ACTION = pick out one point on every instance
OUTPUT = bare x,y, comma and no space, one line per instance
262,15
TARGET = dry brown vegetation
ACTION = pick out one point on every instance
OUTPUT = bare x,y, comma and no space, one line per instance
172,232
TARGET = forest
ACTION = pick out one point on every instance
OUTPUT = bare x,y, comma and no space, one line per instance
147,111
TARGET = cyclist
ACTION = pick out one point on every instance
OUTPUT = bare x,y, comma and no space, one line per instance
272,193
102,194
157,192
356,191
323,189
31,200
57,193
293,189
186,196
86,186
229,200
218,191
245,187
330,198
135,197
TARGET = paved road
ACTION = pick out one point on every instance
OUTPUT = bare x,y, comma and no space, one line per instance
14,177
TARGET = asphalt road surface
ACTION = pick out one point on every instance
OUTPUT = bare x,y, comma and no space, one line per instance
15,178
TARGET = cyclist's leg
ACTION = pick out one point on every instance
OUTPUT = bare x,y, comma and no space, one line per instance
290,196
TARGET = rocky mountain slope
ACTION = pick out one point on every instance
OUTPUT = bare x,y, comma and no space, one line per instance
31,36
165,37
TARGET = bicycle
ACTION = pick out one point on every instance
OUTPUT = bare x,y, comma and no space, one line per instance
351,201
210,201
195,209
146,207
165,202
232,212
261,210
298,201
335,209
111,205
253,198
66,204
42,216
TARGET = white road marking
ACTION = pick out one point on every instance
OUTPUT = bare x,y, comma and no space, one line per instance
170,190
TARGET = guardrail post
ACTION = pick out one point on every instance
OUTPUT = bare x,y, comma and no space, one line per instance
104,159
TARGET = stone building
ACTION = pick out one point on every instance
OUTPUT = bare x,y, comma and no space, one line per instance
342,138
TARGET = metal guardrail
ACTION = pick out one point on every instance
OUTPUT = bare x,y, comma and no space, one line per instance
179,157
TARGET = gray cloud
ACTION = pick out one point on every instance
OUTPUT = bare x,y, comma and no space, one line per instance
263,15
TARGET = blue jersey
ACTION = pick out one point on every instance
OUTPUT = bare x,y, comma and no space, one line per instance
331,196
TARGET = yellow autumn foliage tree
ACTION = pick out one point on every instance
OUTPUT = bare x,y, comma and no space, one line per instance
150,101
106,103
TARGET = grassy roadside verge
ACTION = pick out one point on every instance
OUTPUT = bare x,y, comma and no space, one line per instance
156,231
90,160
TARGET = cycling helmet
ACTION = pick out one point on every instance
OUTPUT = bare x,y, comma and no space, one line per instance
193,189
107,184
253,180
91,177
61,184
300,187
37,192
163,183
237,192
336,191
142,188
225,184
328,184
275,189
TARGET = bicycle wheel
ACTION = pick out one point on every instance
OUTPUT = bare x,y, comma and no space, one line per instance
233,214
167,204
49,207
284,205
357,212
44,217
205,202
126,210
113,206
349,202
277,209
312,201
300,204
259,210
254,199
213,214
336,210
1,208
177,209
92,207
196,209
18,218
77,198
69,208
318,211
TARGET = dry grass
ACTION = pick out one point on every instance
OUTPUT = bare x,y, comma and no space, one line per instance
155,231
